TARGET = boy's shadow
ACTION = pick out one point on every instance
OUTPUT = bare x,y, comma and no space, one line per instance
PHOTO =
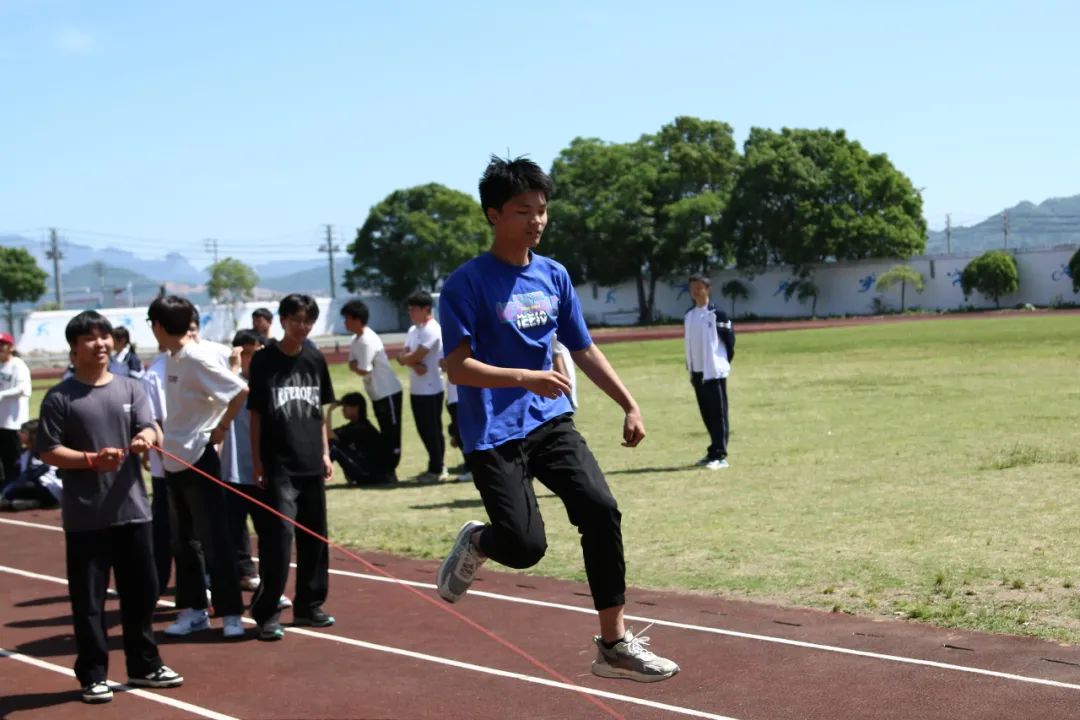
12,705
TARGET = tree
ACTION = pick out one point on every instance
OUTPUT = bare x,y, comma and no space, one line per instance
1074,271
414,239
993,274
231,281
807,196
643,210
900,275
803,288
735,290
21,280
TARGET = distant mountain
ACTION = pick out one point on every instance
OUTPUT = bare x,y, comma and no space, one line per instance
111,284
313,281
277,268
1052,222
174,267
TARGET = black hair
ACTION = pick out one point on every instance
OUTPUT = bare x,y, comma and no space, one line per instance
297,302
246,337
121,333
174,313
355,399
420,299
701,278
262,313
356,309
30,426
87,322
503,179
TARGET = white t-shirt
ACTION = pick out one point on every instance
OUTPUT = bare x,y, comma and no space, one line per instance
14,394
368,353
153,382
198,388
571,371
451,393
428,335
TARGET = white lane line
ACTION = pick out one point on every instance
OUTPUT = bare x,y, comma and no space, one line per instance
629,699
163,699
727,633
23,523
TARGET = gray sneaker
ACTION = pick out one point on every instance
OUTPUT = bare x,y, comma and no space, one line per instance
631,659
458,570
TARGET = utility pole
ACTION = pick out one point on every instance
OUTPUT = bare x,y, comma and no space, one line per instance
329,248
210,244
1005,228
948,234
54,254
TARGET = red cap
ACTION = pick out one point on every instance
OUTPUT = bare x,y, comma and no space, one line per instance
6,338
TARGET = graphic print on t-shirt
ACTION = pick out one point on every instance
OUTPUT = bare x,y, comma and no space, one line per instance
527,310
298,396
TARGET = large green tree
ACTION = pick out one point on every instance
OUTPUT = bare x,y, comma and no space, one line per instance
231,280
993,274
644,210
21,280
806,196
1074,271
414,239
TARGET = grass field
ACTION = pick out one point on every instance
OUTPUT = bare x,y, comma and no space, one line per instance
928,470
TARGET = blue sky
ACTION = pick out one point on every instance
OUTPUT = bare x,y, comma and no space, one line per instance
150,126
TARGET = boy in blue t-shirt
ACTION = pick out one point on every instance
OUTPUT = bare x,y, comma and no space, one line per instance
499,313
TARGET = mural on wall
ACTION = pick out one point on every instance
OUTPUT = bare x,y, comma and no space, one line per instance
784,285
866,284
955,275
1061,274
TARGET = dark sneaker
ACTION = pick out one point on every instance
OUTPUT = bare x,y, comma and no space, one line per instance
317,618
271,632
458,570
97,692
631,659
163,677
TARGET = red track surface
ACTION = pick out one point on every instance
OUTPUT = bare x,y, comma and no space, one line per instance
740,660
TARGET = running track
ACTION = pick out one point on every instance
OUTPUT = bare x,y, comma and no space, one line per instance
393,655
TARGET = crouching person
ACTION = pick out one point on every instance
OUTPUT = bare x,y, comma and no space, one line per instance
92,427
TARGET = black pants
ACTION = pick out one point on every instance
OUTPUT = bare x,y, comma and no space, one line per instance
388,414
29,490
360,468
557,456
452,430
713,403
159,508
9,455
427,410
128,551
199,521
304,500
238,508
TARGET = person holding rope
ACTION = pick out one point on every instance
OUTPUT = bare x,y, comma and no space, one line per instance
92,426
202,396
499,313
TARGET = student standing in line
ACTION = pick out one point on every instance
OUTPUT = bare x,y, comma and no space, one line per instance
125,352
153,382
367,358
452,428
92,427
261,322
422,353
499,312
290,384
202,397
709,337
14,406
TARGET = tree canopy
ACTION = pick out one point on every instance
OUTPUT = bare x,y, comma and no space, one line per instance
807,196
21,280
1074,271
414,239
735,290
900,275
231,280
993,274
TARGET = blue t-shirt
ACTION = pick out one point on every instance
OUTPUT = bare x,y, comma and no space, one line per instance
509,315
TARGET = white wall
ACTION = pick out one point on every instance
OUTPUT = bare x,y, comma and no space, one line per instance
844,289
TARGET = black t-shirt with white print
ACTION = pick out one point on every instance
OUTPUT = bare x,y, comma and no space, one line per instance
289,393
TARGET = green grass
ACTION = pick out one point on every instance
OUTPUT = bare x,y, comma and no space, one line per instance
926,470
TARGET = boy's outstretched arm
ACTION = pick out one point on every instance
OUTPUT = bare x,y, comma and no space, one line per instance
597,368
463,369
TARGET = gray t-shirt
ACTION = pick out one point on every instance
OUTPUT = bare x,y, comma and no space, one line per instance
87,418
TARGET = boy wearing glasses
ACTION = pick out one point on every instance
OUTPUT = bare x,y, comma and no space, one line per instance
290,384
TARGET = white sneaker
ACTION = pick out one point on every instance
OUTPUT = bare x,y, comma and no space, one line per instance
465,477
444,476
232,626
631,659
283,602
458,570
188,622
716,464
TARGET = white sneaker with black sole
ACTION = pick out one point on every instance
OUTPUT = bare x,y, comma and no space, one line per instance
163,677
97,692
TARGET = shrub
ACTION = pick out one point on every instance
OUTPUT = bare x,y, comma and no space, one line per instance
993,274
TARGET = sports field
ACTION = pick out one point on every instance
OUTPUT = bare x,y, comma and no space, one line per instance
928,470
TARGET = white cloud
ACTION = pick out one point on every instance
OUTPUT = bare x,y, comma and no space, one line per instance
73,41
